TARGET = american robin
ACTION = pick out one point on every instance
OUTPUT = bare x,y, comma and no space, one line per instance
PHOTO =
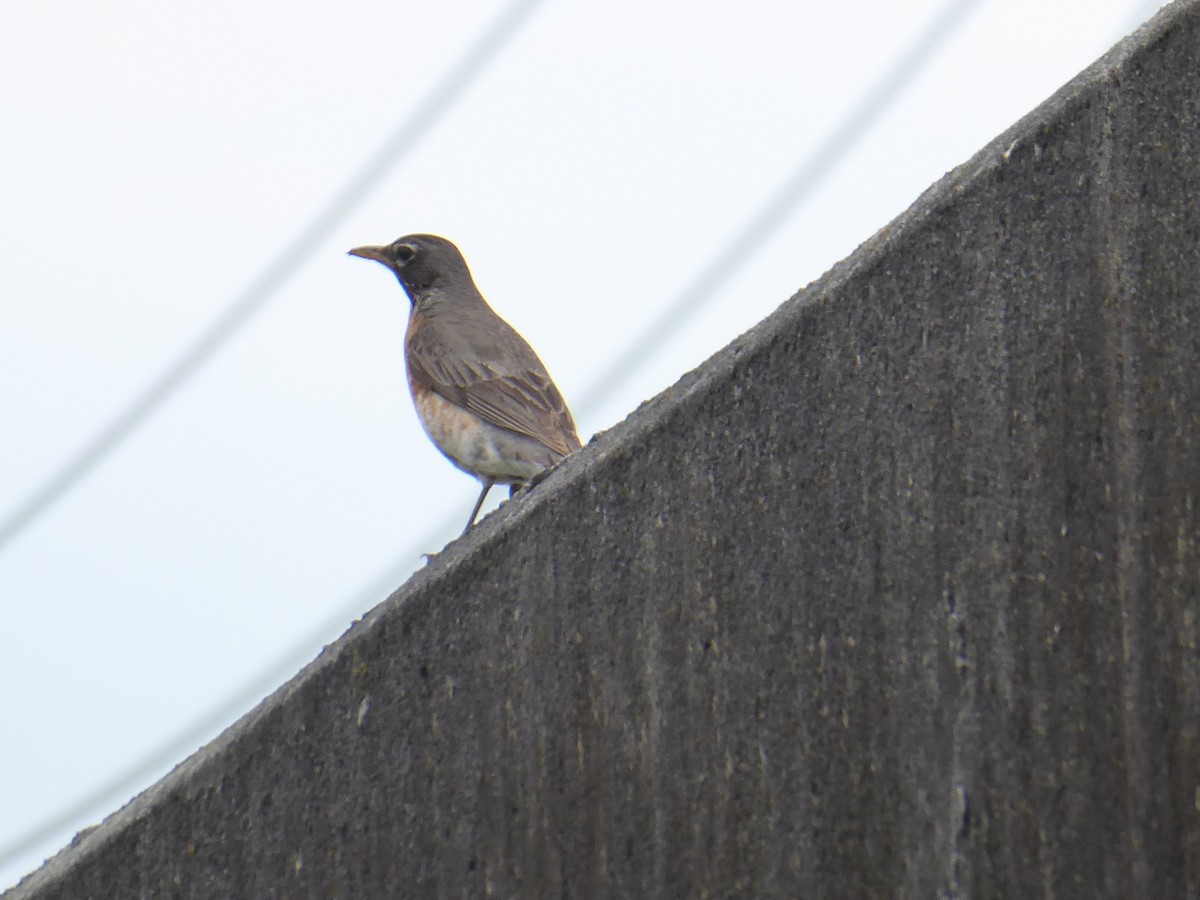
481,393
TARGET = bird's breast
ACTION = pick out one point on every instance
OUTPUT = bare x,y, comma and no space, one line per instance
475,446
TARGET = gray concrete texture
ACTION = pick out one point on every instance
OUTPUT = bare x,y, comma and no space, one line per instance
897,596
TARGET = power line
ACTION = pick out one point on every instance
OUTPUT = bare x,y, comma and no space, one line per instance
203,729
703,287
699,289
256,295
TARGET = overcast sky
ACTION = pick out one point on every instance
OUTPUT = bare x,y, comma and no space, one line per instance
159,157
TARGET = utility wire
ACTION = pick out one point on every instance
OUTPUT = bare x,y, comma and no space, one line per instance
250,301
754,232
254,297
203,729
698,290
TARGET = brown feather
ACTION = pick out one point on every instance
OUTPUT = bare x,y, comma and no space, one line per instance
483,365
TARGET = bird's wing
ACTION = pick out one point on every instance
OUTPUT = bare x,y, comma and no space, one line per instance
493,373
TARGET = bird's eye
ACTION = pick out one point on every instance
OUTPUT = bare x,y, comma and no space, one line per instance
405,252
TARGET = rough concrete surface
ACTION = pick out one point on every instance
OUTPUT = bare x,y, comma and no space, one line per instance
897,596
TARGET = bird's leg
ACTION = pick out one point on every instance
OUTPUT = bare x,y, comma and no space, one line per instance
514,487
487,486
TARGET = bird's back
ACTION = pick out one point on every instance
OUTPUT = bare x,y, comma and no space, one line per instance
474,358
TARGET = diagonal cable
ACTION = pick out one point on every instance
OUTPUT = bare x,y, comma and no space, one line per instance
203,728
808,176
698,290
255,296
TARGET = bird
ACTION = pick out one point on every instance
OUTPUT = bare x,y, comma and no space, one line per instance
482,395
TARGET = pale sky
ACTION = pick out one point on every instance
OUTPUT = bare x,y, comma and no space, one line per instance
158,157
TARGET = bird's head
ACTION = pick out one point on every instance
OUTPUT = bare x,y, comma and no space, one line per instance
422,262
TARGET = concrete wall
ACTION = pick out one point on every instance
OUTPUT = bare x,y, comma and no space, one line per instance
898,596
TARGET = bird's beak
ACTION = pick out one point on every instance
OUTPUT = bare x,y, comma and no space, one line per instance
375,253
